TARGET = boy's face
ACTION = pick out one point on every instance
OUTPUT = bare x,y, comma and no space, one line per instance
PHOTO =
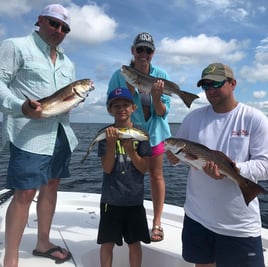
121,109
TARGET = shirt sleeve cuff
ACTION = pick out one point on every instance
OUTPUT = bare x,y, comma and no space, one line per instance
14,106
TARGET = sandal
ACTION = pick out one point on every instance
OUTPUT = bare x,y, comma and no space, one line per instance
48,254
157,233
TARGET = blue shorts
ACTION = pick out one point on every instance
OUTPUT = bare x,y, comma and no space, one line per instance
117,222
30,170
202,246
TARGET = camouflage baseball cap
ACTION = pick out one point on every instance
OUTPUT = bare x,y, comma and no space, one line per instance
216,72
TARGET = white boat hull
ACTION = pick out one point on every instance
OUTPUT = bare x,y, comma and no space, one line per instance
75,227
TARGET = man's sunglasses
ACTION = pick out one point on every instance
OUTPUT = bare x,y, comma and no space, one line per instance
214,84
56,24
142,49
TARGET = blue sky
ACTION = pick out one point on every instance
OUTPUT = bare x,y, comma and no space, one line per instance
189,35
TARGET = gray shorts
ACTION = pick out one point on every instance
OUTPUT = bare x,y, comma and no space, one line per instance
30,170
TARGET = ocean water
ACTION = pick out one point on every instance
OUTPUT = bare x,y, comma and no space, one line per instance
87,176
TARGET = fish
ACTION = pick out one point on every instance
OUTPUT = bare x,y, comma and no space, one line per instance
197,155
145,82
64,99
123,133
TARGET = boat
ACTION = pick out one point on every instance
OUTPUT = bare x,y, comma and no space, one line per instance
75,226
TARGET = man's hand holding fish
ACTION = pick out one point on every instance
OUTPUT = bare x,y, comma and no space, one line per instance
212,170
32,109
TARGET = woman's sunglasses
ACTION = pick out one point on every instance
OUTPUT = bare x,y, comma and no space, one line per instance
146,49
55,24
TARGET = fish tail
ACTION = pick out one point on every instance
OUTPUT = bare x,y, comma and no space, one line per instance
88,152
188,98
250,190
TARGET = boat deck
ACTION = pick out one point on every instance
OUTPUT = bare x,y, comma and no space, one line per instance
75,226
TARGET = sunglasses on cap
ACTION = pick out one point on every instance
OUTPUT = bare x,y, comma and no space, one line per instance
56,24
142,49
214,85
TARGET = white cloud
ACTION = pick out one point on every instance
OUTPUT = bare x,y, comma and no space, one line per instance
234,10
262,9
258,71
194,49
259,94
178,109
14,8
91,25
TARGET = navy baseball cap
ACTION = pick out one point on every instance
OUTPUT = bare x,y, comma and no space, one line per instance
122,93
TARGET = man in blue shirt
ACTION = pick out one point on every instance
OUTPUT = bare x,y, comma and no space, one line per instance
40,149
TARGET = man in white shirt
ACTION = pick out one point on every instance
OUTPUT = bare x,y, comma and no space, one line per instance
219,228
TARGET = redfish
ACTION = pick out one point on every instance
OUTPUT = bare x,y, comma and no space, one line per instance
197,155
65,98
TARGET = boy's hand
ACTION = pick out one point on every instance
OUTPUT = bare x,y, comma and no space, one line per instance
111,135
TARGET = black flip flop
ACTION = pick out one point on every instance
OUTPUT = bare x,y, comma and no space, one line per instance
48,254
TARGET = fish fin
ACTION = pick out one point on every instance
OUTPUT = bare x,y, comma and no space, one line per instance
191,156
68,98
250,190
187,97
130,87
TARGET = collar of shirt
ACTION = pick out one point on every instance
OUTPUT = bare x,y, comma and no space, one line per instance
43,45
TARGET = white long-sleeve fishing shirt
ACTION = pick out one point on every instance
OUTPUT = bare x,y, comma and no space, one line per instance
242,134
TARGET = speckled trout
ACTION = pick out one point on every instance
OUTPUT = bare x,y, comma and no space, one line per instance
123,133
65,98
197,155
145,82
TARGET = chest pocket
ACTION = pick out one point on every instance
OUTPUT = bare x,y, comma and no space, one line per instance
239,148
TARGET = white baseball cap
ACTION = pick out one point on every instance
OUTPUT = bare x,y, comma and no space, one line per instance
56,11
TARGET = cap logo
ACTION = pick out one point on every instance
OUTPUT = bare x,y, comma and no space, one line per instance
145,37
118,91
210,69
